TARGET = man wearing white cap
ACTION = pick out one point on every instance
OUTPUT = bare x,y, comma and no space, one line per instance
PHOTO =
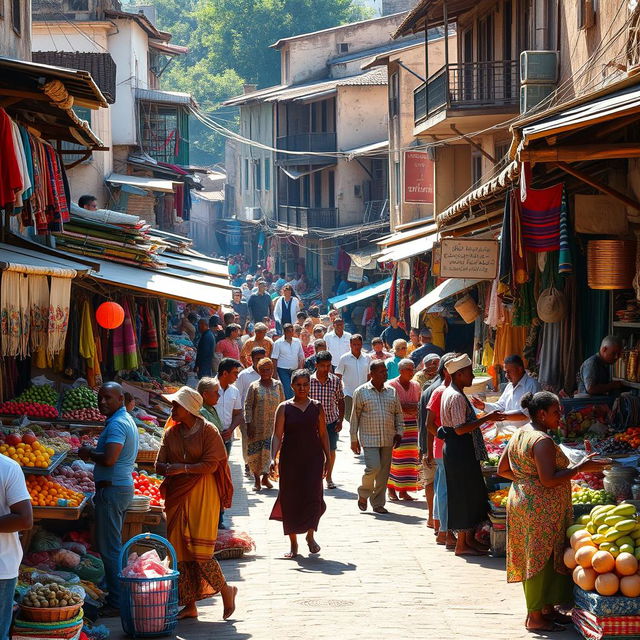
462,452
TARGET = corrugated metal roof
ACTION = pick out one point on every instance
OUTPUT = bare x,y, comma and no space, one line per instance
373,77
149,184
169,97
389,47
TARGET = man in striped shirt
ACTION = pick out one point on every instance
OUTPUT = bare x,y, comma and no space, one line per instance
376,428
326,388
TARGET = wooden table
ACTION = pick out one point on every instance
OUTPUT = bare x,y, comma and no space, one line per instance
135,522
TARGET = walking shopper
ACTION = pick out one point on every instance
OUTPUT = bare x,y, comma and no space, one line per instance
427,347
414,341
209,389
318,346
114,458
393,332
259,340
399,353
206,347
429,370
287,356
353,369
239,307
377,350
338,340
376,427
229,407
286,308
463,450
326,388
539,511
263,398
229,348
259,303
15,515
197,485
404,461
300,438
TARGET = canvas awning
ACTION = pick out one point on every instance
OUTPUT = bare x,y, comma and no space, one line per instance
141,182
408,249
37,263
197,264
368,149
296,174
161,283
447,289
364,293
365,258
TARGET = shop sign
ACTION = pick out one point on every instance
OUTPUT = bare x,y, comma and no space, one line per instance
418,177
356,273
468,258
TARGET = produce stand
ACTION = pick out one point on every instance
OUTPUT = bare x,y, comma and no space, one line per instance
56,461
135,521
59,513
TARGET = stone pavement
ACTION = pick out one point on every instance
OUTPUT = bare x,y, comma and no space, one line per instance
377,577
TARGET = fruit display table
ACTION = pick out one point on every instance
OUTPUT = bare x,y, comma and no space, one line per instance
136,521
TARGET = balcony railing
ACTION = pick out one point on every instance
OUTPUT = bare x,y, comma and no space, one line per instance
468,85
311,142
308,218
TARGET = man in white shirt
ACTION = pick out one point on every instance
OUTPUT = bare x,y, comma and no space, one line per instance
15,515
248,288
338,340
287,356
229,405
245,378
509,402
353,369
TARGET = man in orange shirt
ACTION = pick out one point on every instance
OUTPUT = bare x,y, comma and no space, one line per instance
260,340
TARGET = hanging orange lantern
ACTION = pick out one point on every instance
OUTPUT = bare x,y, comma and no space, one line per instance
109,315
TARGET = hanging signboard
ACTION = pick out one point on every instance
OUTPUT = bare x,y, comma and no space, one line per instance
468,258
418,177
355,274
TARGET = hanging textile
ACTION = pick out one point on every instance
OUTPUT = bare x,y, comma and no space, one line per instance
22,164
505,273
565,263
524,310
15,313
540,214
125,349
569,338
549,357
496,313
57,210
73,364
87,345
39,311
518,255
59,296
10,175
509,341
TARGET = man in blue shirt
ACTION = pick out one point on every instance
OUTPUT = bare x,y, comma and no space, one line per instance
206,347
114,458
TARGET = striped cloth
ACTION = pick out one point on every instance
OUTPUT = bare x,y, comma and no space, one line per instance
565,264
597,628
404,463
540,214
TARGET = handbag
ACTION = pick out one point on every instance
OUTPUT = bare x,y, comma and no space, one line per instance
552,305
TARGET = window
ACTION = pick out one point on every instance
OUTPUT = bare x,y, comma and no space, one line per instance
397,180
246,174
257,175
69,158
317,189
476,168
267,175
343,47
16,16
332,190
501,150
394,95
586,13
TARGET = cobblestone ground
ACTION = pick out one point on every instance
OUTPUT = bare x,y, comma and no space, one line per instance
377,577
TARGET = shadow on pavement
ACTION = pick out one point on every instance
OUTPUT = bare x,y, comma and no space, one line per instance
223,630
397,517
321,565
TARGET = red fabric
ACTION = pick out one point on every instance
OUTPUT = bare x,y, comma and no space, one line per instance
435,402
10,176
179,200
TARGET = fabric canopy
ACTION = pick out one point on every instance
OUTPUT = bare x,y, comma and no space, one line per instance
360,294
365,258
448,288
28,261
148,184
408,249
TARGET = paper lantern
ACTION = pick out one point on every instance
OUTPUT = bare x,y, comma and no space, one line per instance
110,315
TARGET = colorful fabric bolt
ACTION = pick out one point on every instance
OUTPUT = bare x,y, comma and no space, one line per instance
565,261
541,219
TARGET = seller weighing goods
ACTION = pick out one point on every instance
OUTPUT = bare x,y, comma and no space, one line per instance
467,308
611,264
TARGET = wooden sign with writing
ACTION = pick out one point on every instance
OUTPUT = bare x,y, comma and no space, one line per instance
468,258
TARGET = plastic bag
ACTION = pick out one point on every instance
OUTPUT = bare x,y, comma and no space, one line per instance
41,381
142,566
150,605
90,568
66,559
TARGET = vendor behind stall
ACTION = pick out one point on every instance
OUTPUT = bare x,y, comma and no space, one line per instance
595,373
509,402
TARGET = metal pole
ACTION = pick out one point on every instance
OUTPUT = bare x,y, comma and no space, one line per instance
426,65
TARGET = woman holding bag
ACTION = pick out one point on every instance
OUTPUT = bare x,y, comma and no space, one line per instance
193,459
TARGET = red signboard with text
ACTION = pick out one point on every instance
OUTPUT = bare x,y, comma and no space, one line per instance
418,177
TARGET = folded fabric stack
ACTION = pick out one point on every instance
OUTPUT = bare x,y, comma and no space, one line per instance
67,630
594,627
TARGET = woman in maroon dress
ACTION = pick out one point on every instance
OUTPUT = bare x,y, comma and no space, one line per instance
300,436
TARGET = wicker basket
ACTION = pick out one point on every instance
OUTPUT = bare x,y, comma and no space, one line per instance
146,456
50,614
467,309
611,264
229,554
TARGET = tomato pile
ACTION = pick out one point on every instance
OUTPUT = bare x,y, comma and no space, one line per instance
631,436
148,485
31,409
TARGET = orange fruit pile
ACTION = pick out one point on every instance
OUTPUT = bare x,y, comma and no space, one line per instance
29,455
45,492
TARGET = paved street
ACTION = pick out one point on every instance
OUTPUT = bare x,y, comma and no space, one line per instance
377,577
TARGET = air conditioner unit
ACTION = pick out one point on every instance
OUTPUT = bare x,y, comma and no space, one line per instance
539,67
532,95
252,213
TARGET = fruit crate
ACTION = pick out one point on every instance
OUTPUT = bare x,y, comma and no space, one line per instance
59,513
56,461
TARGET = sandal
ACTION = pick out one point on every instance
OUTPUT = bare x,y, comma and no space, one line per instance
331,485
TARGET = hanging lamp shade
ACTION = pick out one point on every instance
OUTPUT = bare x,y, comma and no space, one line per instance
109,315
611,264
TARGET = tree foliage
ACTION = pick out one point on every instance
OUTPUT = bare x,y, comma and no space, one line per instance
229,44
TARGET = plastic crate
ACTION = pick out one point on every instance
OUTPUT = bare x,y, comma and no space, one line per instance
149,606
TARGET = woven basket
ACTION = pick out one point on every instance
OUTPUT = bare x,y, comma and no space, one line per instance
146,456
50,614
611,264
467,308
229,554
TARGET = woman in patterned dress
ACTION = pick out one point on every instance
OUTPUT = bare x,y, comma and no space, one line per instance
263,398
539,511
405,464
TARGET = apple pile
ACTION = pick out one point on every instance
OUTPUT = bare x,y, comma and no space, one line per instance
87,415
31,409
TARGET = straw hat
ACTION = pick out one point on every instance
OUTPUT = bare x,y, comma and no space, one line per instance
187,398
552,305
455,364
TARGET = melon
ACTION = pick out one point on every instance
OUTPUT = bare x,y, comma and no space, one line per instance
626,564
585,578
570,558
573,528
607,584
584,556
578,535
603,562
585,541
630,586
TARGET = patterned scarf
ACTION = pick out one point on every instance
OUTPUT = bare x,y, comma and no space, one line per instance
14,314
39,311
58,314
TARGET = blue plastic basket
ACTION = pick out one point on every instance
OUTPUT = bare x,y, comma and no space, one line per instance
148,606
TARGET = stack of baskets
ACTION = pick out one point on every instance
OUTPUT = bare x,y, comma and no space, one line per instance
48,623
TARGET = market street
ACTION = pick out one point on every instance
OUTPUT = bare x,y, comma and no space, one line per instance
377,577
